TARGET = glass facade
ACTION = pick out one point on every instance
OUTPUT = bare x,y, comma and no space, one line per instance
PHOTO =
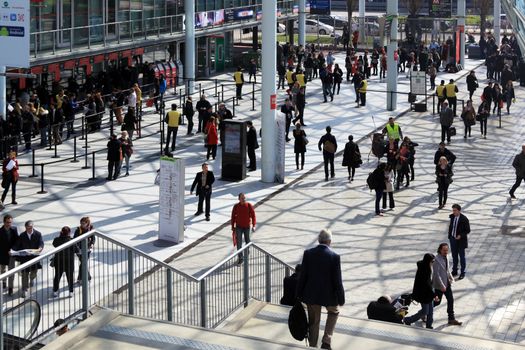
58,25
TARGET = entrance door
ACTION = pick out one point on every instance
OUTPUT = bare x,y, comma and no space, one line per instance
219,54
64,22
110,17
202,57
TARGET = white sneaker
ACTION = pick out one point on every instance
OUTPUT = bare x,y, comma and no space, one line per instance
55,294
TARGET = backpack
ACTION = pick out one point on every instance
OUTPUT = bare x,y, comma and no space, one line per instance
298,322
370,181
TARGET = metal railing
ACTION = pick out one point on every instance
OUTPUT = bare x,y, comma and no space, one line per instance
127,280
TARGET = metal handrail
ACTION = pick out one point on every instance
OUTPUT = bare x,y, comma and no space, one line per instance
224,261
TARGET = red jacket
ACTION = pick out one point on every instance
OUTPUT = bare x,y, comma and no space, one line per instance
213,137
13,171
241,215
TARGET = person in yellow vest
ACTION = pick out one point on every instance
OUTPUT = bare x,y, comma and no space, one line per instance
138,92
300,78
172,119
362,92
450,91
290,77
440,93
238,76
393,130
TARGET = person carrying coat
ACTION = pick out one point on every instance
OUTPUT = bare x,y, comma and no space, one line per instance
114,157
203,182
423,292
351,157
64,261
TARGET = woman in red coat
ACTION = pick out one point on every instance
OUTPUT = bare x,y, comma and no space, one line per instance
10,176
212,138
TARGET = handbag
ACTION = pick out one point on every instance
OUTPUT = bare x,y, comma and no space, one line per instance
452,131
305,140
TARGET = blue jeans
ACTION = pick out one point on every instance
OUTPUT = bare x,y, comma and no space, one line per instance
239,232
457,250
426,309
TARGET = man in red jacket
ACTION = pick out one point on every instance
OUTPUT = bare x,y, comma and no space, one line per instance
242,215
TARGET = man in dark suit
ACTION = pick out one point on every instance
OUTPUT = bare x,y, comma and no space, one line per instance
29,239
8,239
114,157
320,284
252,145
203,180
458,231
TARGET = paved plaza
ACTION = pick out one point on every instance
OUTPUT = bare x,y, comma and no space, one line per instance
379,254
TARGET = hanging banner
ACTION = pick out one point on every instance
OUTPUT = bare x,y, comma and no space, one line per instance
320,7
14,33
280,147
440,8
171,200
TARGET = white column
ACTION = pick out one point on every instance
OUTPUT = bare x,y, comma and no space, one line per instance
497,22
189,48
3,102
391,63
302,22
361,20
269,67
461,23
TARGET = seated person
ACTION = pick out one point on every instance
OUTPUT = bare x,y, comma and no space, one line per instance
383,310
290,287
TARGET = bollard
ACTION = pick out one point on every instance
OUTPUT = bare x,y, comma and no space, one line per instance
33,164
56,154
111,123
93,177
85,159
233,106
222,91
253,96
86,146
499,116
42,191
433,104
140,129
216,83
200,88
180,97
83,127
75,160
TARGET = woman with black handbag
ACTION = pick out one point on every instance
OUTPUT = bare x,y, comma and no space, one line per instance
443,179
469,118
351,157
299,146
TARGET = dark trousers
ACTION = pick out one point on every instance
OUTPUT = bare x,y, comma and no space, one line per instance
171,130
300,115
327,91
516,184
390,199
445,130
27,138
9,183
328,158
251,157
379,195
280,83
297,160
337,86
443,192
288,123
212,150
450,301
458,256
60,269
470,93
204,196
190,124
453,103
440,103
351,172
113,169
483,126
362,96
239,233
79,276
468,128
400,174
238,90
432,82
411,166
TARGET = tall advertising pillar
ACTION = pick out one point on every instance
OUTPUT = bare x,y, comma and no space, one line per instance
391,62
189,51
268,98
3,104
497,22
461,30
361,21
171,200
302,22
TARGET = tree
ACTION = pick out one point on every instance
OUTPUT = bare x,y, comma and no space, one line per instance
413,6
412,27
350,7
485,7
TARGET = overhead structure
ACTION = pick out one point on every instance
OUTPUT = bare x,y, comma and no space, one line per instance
391,60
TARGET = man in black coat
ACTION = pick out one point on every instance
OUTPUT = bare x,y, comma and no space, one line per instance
251,145
444,152
383,310
114,158
472,83
320,284
328,145
288,110
379,185
29,239
8,239
203,181
458,231
202,107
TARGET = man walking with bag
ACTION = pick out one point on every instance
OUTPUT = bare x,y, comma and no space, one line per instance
328,145
321,284
203,181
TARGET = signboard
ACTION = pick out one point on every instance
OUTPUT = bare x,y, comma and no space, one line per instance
232,138
388,26
14,33
171,200
243,13
210,18
273,101
440,8
280,144
234,151
320,7
418,83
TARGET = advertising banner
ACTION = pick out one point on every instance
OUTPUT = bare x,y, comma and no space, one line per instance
171,200
418,83
320,7
440,8
280,120
14,33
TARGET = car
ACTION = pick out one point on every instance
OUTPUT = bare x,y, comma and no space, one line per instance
315,27
281,28
371,28
334,21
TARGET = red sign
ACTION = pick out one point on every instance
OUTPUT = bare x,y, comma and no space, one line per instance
273,102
